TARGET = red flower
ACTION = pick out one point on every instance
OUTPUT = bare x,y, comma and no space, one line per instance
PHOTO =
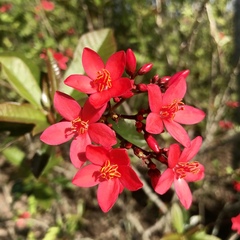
236,186
168,111
236,223
79,124
180,171
225,125
111,171
61,60
103,81
5,7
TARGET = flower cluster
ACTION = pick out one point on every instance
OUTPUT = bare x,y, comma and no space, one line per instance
100,154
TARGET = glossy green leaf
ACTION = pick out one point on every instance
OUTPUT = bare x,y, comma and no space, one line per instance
52,233
177,218
127,129
23,76
102,41
23,113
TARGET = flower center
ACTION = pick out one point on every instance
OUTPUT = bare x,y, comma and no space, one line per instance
182,168
79,126
169,111
109,171
103,80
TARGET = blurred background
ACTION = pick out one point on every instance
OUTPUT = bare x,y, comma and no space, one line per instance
41,44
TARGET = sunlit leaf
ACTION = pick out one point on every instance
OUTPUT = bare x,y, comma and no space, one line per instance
23,113
202,235
14,155
102,41
173,236
22,75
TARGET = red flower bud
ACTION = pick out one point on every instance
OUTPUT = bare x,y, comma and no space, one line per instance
145,68
142,87
155,79
154,175
152,142
131,62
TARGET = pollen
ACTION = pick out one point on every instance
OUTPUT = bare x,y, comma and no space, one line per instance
109,171
168,111
103,80
183,168
79,126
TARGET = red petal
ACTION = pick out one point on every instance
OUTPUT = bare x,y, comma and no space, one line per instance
129,178
165,181
116,64
154,123
190,153
99,99
177,132
154,98
191,177
78,149
183,192
92,63
86,176
97,155
89,112
189,115
175,92
182,74
120,87
102,134
173,155
80,83
66,106
57,133
119,156
107,194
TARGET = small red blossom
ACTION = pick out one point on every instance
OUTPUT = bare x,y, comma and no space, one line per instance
5,7
180,171
45,5
236,223
103,81
168,110
111,171
61,60
81,125
225,125
233,104
236,186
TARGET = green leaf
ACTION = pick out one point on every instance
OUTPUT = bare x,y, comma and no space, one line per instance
52,233
201,235
101,41
22,75
173,236
23,113
127,129
14,155
177,218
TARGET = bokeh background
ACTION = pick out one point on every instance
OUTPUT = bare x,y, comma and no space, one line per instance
37,199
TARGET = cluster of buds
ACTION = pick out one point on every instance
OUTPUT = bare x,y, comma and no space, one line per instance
94,150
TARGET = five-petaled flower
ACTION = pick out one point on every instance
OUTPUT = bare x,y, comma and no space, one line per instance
236,223
168,110
103,81
180,171
111,171
81,125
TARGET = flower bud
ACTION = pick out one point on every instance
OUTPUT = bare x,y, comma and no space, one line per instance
154,175
152,142
131,62
145,68
142,87
155,78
